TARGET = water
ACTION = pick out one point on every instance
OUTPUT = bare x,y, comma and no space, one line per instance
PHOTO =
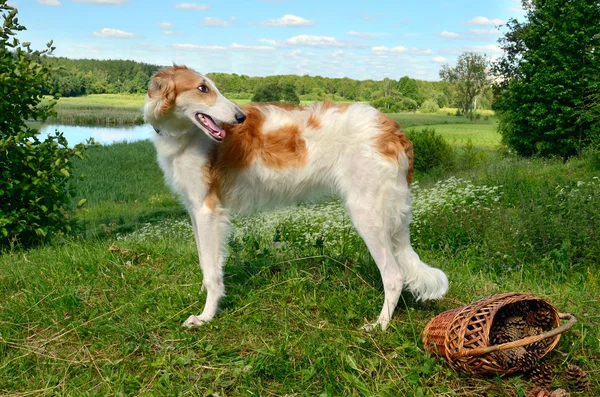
105,135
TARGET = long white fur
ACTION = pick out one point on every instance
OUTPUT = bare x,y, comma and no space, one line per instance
342,159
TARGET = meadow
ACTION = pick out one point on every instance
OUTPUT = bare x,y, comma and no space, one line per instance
100,312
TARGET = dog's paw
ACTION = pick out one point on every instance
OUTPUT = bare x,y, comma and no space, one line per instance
372,327
194,321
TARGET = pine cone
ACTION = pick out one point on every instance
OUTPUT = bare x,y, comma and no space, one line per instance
527,362
539,348
509,359
541,318
577,378
542,375
514,309
560,393
538,392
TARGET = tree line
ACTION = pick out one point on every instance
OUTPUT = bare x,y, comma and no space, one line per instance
76,77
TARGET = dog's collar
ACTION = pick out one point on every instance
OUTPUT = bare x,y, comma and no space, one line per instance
156,130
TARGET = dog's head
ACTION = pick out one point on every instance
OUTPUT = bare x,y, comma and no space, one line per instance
179,97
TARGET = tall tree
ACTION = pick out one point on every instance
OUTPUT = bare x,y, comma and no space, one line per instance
549,80
34,174
470,76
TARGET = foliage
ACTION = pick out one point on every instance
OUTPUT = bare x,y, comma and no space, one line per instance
75,77
408,88
469,77
549,79
431,150
34,173
429,106
275,92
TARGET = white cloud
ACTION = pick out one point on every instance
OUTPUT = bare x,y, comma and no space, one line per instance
49,2
287,20
365,35
385,50
448,35
217,22
269,41
108,32
198,47
103,2
236,46
192,6
439,59
295,53
172,33
337,53
314,41
484,21
421,51
165,25
484,32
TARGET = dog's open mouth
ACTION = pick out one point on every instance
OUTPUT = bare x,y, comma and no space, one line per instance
213,129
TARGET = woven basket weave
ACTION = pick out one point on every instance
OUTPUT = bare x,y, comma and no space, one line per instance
461,335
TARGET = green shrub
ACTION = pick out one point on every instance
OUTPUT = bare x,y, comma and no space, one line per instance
34,177
430,106
407,104
431,150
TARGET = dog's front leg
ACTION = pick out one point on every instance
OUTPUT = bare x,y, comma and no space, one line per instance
209,229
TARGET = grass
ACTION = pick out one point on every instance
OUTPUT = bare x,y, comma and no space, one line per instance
100,109
100,313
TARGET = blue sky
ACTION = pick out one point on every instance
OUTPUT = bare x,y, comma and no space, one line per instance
362,40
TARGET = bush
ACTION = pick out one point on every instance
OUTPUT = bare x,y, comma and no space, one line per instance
34,178
431,150
408,105
429,106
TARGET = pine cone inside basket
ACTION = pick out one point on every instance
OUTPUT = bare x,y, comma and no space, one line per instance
509,359
542,375
527,362
577,378
540,318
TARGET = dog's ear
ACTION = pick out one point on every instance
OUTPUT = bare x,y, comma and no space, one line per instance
162,85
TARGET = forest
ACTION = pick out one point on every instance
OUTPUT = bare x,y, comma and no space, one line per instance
77,77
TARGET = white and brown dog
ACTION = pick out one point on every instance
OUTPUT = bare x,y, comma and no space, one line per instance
218,158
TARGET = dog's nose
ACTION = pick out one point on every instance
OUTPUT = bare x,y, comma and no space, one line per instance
240,117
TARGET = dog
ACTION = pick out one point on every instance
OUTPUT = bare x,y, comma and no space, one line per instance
220,159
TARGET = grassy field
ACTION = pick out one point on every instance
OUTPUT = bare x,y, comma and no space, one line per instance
100,313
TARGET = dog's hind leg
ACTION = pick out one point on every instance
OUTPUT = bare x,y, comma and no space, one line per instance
425,282
210,230
367,210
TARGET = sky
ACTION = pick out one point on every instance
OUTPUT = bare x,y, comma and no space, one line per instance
371,39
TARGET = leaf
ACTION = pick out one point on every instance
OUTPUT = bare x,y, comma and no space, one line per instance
65,172
81,203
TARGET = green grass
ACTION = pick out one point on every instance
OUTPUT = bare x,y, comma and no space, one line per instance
100,109
100,313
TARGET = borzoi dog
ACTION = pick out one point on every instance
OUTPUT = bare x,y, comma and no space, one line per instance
219,158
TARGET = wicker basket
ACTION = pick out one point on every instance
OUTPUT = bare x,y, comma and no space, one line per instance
461,335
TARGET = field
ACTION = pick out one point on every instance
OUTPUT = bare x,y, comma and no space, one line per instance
99,313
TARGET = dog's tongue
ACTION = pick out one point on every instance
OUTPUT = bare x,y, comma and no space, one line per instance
215,129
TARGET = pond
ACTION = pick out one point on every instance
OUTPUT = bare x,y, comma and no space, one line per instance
104,135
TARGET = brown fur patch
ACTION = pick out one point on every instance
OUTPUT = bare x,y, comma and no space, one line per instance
313,121
173,81
327,104
392,141
244,143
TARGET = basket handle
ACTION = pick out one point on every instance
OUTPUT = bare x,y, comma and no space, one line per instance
525,341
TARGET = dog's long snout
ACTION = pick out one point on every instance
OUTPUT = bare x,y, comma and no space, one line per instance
240,117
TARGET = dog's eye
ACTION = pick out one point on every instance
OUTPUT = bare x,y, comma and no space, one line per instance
203,88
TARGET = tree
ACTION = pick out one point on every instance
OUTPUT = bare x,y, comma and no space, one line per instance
272,91
469,76
408,88
34,174
549,80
